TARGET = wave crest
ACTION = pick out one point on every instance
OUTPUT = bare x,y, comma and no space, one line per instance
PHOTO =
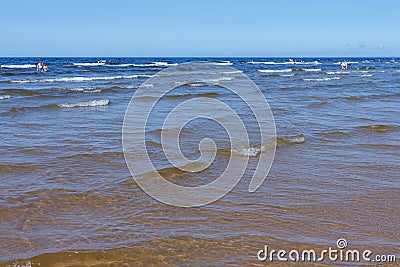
93,103
4,97
22,66
296,139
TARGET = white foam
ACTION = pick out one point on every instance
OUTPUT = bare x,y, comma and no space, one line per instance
223,63
155,64
251,151
92,91
262,62
80,79
93,103
198,84
4,97
348,62
216,80
336,72
77,89
366,75
295,139
120,65
321,79
85,64
273,71
287,75
85,89
285,63
312,69
228,72
23,66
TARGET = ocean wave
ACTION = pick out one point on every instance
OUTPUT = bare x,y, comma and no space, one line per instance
93,103
24,92
18,168
92,91
209,94
287,75
366,75
251,151
321,79
296,139
199,84
205,82
285,63
85,89
216,80
88,64
337,72
23,66
381,128
366,68
348,62
79,79
312,69
222,63
309,70
226,72
155,64
2,97
120,65
356,98
319,104
379,146
274,71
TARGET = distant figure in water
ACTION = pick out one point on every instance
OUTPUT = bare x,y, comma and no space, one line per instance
45,68
291,60
39,66
344,65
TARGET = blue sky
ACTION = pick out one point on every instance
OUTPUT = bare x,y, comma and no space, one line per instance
200,28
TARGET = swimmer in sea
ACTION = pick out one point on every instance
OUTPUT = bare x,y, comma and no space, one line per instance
45,68
39,66
344,65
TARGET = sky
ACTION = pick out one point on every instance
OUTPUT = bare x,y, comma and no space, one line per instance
203,28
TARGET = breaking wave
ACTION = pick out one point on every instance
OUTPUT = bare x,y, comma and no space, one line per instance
155,64
80,79
2,97
85,64
296,139
223,63
275,71
285,63
251,151
93,103
321,79
22,66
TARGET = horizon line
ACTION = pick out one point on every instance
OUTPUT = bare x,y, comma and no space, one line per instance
398,56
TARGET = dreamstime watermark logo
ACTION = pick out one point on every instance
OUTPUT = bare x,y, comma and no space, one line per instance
335,254
198,74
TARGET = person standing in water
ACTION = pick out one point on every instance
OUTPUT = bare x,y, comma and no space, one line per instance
344,65
39,66
45,68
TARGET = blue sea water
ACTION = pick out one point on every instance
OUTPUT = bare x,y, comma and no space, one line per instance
65,186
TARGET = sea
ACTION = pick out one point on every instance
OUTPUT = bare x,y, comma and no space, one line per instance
67,197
